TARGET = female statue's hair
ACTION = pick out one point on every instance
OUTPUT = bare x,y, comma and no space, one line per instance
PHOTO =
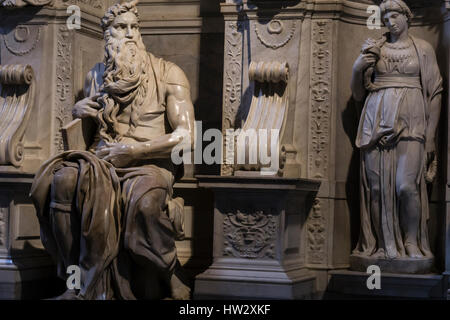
396,5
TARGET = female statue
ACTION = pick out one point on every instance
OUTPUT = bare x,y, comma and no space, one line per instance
399,79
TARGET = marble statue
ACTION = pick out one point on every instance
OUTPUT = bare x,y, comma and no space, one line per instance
399,79
109,208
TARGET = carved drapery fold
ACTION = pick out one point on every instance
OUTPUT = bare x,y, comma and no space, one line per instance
16,103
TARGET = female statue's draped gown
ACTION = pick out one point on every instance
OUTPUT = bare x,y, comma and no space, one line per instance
406,79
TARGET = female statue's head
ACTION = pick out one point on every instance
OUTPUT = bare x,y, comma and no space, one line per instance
395,15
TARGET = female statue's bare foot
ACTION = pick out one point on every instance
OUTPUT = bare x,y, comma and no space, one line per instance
178,289
413,251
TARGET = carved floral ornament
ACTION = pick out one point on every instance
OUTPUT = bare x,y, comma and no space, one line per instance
2,226
316,234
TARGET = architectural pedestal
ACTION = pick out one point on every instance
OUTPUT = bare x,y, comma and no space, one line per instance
26,270
259,238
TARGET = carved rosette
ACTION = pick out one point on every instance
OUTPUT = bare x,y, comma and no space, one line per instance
22,40
320,107
232,83
250,235
64,87
316,236
275,33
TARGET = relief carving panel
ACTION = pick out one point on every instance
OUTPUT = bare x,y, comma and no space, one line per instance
64,86
232,82
3,217
316,234
320,106
250,234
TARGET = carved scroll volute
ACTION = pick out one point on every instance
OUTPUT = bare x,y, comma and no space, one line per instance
268,107
16,103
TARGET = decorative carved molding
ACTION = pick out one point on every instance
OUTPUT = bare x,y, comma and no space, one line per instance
320,108
64,86
22,40
16,103
232,81
2,226
275,35
96,4
250,235
316,234
22,3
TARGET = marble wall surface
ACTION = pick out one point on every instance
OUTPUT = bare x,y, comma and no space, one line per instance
193,34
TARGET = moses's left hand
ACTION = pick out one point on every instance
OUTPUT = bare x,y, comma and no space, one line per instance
118,154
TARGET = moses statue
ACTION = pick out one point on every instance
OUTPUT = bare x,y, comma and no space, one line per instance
109,209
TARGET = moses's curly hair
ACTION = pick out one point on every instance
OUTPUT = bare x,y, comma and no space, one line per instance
118,9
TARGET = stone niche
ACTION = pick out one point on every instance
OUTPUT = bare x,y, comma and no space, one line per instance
320,40
262,222
35,34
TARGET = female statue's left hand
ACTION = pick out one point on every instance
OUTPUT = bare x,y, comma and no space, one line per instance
431,166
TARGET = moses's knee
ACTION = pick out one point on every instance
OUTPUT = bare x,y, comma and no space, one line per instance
64,184
152,203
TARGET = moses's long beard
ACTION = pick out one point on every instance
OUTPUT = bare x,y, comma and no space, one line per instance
125,83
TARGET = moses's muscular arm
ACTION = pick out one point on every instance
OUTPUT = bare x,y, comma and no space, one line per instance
180,113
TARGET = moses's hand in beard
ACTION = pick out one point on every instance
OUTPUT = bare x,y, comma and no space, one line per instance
118,154
86,108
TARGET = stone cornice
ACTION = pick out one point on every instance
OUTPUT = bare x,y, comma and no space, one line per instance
345,10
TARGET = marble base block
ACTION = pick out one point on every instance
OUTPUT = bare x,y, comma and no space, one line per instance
258,239
344,284
399,265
